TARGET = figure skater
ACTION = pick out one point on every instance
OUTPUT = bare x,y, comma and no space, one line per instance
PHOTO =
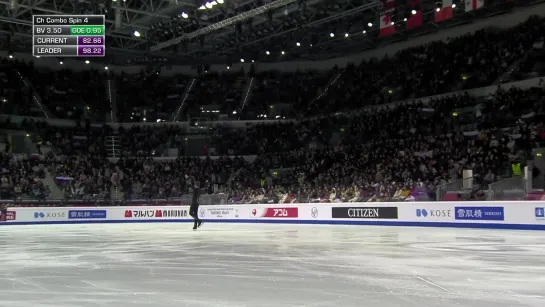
194,208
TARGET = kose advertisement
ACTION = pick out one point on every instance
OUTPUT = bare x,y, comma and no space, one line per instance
540,213
50,215
430,213
364,213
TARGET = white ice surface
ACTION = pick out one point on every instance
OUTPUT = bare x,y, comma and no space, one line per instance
230,265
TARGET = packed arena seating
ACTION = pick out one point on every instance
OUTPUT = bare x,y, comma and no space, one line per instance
532,65
22,176
380,152
465,62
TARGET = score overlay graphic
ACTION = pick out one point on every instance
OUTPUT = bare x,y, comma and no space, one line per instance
68,35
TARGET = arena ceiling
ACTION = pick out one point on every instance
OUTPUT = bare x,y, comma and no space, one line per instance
225,31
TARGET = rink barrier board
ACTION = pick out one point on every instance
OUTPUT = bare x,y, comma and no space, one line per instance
302,222
491,215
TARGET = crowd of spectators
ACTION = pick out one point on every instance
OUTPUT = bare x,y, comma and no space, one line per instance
22,176
465,62
384,151
81,176
532,65
387,153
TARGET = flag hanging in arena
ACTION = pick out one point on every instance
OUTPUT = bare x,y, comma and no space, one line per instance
387,26
472,5
414,20
444,12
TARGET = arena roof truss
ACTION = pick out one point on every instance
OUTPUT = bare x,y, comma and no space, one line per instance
223,31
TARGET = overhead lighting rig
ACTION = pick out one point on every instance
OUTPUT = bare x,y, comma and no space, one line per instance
210,4
222,24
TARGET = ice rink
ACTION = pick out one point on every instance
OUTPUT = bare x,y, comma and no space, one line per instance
159,265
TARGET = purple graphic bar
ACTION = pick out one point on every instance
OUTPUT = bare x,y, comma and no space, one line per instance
90,40
91,51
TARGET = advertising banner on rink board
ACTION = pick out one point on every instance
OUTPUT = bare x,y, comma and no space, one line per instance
219,212
7,216
171,213
365,213
433,213
275,212
11,215
480,213
48,215
505,214
540,213
87,214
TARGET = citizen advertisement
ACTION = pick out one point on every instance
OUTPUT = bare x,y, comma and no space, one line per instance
365,213
221,212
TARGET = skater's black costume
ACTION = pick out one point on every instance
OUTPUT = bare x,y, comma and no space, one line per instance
3,212
194,208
